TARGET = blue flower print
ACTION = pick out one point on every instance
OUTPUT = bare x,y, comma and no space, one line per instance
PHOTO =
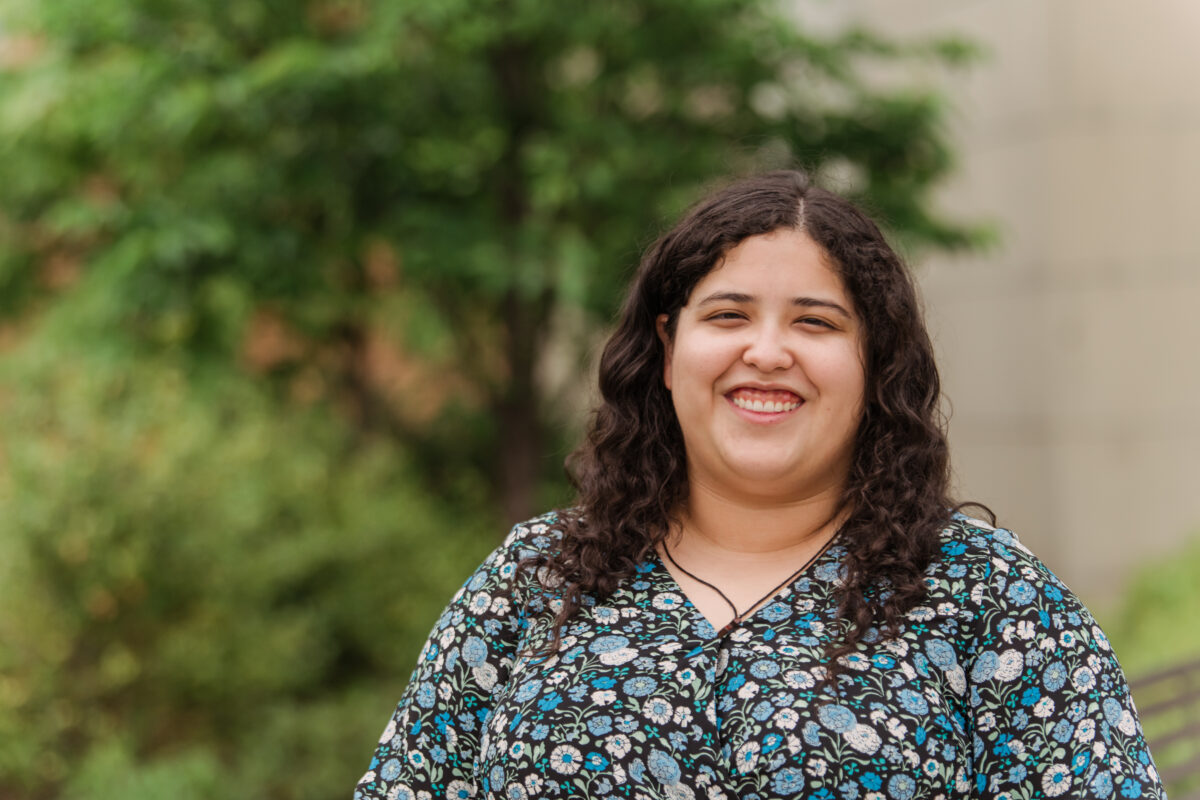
901,786
941,653
663,767
600,725
527,691
1054,676
788,781
608,644
776,612
474,651
1021,593
913,702
997,683
837,718
639,686
764,668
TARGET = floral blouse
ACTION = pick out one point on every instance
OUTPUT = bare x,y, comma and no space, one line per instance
1000,685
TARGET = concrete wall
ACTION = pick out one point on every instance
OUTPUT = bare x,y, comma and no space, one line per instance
1071,354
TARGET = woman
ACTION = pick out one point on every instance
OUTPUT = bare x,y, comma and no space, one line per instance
762,591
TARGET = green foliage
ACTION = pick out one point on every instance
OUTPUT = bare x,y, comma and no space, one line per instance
510,157
284,287
1155,626
194,577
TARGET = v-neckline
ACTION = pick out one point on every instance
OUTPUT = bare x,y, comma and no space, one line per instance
671,583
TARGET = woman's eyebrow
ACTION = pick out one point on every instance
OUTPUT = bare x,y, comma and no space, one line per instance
807,302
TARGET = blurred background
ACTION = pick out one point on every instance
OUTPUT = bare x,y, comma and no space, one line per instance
299,302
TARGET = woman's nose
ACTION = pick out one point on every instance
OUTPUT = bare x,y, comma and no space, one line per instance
767,350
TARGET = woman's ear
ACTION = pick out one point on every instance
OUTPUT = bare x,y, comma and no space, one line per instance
660,324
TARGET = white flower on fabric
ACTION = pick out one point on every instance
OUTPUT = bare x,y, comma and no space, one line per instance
921,614
1044,708
618,746
460,790
1083,679
1086,731
863,738
855,661
786,718
1056,780
516,791
749,689
388,732
897,728
682,716
534,783
657,710
500,606
747,756
947,609
1016,747
798,679
604,697
400,791
987,721
669,647
957,679
667,666
1011,664
1127,725
667,601
816,766
678,791
1025,629
480,603
897,647
566,760
485,676
616,658
1068,639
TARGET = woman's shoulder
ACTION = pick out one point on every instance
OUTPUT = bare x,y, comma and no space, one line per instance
990,561
539,536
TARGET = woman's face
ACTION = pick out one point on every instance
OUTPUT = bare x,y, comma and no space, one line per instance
765,371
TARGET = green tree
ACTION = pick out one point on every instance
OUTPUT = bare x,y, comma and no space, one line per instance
406,197
293,295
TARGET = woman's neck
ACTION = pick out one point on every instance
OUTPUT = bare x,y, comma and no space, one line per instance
716,524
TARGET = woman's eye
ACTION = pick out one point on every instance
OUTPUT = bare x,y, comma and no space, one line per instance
815,321
725,316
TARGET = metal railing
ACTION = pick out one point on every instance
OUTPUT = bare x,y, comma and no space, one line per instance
1168,704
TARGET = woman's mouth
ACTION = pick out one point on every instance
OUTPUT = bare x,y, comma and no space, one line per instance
773,401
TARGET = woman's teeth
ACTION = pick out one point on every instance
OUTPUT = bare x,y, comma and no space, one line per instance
766,406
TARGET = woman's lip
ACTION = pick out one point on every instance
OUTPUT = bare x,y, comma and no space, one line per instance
764,394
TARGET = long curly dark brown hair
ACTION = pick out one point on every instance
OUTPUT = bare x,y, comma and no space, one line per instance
631,471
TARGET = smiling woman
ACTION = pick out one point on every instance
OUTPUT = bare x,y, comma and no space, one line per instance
764,589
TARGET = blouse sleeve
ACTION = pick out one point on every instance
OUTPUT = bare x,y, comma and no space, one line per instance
430,745
1052,712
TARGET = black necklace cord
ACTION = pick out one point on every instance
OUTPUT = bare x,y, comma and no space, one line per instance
739,617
